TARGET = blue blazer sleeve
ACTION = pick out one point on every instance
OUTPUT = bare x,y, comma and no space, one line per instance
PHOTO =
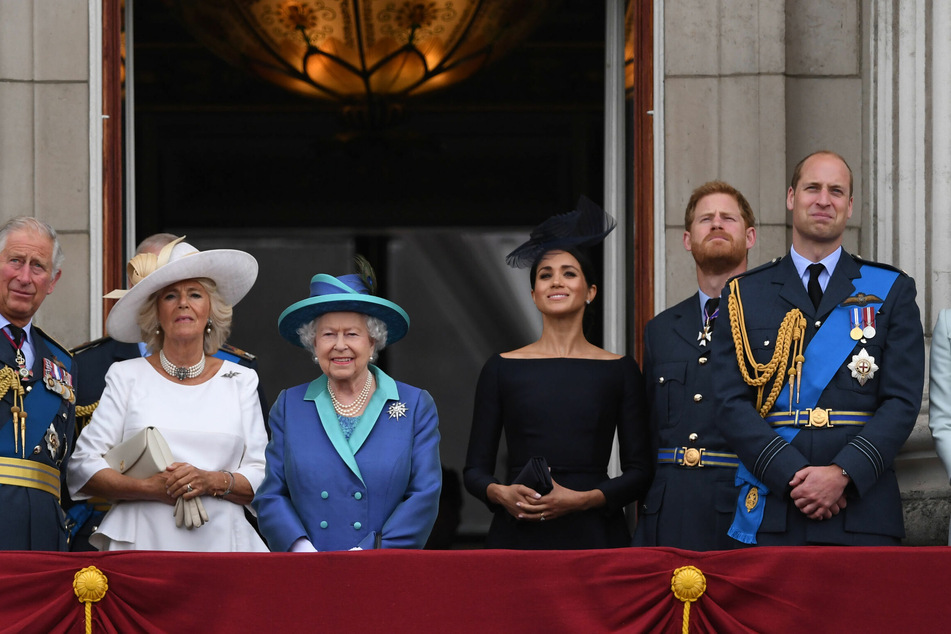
278,519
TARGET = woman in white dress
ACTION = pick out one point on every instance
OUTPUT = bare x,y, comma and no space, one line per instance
206,409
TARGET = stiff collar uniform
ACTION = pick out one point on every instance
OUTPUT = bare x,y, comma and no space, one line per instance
876,410
380,488
691,500
32,518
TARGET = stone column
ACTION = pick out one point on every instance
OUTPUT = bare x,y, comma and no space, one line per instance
45,141
909,154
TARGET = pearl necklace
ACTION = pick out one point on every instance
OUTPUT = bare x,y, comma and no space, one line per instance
181,372
350,411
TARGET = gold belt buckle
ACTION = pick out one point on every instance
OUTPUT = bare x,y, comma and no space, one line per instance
819,417
693,457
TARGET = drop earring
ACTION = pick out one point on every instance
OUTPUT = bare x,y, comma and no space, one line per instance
208,329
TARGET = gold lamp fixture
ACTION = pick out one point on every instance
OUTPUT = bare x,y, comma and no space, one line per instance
360,53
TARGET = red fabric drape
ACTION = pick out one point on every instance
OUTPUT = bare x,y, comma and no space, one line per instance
758,590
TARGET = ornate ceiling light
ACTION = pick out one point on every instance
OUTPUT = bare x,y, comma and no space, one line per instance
360,52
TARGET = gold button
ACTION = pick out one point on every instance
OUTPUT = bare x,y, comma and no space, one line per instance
693,437
766,343
661,380
697,397
818,323
702,360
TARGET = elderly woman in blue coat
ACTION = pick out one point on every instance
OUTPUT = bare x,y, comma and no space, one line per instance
353,461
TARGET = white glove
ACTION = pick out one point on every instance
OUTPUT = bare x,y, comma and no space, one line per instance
302,545
190,513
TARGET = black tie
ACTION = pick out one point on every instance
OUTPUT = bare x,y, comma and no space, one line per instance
815,291
17,334
710,312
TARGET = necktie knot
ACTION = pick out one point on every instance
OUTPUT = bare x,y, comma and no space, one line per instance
814,288
16,334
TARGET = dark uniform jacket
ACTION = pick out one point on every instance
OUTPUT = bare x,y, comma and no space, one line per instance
686,507
32,519
892,394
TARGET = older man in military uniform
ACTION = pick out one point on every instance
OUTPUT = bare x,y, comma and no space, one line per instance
820,380
36,380
690,503
95,358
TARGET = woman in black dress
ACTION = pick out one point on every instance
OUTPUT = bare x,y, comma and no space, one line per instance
561,398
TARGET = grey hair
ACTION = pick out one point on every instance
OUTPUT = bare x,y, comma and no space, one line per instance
28,223
155,242
376,329
219,313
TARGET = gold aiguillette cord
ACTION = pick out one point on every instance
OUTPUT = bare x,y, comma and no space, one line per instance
11,380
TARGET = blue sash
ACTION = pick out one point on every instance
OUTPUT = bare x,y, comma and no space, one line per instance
817,370
41,405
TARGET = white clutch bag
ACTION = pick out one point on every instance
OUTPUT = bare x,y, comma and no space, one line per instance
141,456
146,454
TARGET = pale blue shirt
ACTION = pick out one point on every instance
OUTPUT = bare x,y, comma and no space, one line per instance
703,304
829,263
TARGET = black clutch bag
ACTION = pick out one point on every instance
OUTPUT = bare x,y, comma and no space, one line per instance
535,475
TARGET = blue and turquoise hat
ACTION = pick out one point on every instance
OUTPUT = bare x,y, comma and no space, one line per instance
349,294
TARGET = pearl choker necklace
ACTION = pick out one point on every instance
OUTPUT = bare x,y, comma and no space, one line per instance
181,372
350,411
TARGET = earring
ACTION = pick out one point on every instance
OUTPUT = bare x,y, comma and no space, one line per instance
158,331
316,360
587,301
208,329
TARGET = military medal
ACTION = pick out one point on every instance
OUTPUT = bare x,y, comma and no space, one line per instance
863,367
706,334
58,380
24,372
868,320
855,320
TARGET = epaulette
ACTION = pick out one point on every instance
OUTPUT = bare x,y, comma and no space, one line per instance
247,356
89,345
53,342
761,267
863,262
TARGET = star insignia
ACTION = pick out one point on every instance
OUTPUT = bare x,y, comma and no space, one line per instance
397,410
52,441
230,375
863,367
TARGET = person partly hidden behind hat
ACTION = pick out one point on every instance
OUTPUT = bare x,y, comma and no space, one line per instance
206,408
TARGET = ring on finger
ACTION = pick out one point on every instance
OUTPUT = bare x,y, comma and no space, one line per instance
542,518
188,487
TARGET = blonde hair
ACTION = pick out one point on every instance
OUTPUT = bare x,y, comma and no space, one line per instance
219,313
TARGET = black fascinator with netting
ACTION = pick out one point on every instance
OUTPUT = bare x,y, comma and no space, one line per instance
586,226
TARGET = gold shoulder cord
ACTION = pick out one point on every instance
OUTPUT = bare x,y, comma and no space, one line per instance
10,380
84,414
790,334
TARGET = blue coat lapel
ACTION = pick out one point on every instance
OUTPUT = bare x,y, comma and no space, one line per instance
317,392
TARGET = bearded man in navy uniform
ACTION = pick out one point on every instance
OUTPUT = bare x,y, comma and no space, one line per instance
95,359
821,379
691,500
37,380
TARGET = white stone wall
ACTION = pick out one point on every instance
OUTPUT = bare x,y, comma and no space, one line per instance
44,141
